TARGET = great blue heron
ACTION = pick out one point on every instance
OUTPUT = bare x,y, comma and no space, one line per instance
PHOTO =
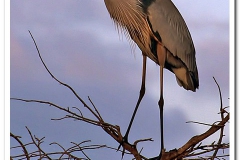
161,33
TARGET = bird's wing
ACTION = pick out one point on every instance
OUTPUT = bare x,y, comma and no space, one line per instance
170,28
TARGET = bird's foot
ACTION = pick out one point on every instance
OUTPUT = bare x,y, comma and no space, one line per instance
165,155
159,156
124,141
155,158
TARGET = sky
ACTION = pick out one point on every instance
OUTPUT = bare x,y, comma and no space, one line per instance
81,46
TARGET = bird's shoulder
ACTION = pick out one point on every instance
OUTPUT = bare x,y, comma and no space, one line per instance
168,24
169,27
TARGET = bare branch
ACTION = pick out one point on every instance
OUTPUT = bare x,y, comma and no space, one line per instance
189,149
22,145
37,144
95,109
64,84
222,117
203,123
142,140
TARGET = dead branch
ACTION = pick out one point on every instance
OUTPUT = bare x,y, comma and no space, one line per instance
21,144
189,146
222,117
187,150
64,154
112,130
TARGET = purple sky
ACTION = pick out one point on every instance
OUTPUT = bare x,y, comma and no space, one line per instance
81,47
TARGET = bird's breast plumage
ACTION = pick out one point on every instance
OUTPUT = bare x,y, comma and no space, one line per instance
129,17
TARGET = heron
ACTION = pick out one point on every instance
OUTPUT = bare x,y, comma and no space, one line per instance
159,30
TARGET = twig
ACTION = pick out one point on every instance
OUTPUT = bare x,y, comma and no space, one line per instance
100,118
64,84
37,145
222,117
22,145
142,140
203,123
78,145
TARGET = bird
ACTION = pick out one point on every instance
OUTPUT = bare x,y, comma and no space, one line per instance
161,33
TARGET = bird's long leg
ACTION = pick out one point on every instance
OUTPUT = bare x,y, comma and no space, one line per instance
141,94
161,52
161,103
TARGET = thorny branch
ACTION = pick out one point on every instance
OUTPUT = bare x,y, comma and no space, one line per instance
187,150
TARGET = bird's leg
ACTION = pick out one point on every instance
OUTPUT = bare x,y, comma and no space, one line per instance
161,103
161,52
141,94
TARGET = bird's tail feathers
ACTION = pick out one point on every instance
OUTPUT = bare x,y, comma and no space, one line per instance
186,79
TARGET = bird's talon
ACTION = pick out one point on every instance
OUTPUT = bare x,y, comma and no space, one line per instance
123,152
124,140
119,146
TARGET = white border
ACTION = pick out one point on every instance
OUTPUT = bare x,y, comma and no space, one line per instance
5,64
2,75
232,56
6,34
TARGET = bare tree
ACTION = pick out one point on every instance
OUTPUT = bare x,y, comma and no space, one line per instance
192,149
